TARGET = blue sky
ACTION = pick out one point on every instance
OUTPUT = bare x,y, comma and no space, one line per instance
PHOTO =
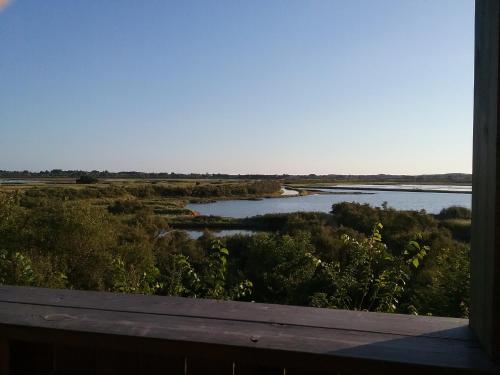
235,86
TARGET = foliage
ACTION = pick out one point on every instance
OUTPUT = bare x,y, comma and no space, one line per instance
442,288
125,206
178,276
455,212
15,268
214,274
460,229
280,267
143,190
128,280
368,277
86,179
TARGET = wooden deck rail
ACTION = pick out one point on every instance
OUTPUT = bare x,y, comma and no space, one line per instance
50,331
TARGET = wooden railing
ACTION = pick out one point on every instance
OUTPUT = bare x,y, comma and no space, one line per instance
49,331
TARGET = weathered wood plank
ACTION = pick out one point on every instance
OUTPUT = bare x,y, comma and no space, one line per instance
485,254
246,342
243,311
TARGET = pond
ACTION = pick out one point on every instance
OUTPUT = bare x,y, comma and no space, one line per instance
401,200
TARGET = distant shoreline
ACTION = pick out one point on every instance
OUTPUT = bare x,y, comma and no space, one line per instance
383,189
58,174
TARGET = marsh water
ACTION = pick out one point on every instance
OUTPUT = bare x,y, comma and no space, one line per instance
432,202
195,234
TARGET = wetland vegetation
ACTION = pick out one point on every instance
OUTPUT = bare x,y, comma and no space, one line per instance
124,236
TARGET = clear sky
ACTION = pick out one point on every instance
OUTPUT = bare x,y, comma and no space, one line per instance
262,86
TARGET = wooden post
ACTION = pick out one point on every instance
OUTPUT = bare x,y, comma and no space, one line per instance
485,250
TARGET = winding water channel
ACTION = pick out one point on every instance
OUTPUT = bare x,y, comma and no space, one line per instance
432,202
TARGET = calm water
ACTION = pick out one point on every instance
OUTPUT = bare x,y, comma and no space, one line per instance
454,188
195,234
431,202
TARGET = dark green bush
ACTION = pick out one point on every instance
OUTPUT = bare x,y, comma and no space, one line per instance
455,212
86,179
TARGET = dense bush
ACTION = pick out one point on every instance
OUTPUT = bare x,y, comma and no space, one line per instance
455,212
367,276
86,179
123,206
460,229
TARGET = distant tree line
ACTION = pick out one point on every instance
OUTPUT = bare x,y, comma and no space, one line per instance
59,173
